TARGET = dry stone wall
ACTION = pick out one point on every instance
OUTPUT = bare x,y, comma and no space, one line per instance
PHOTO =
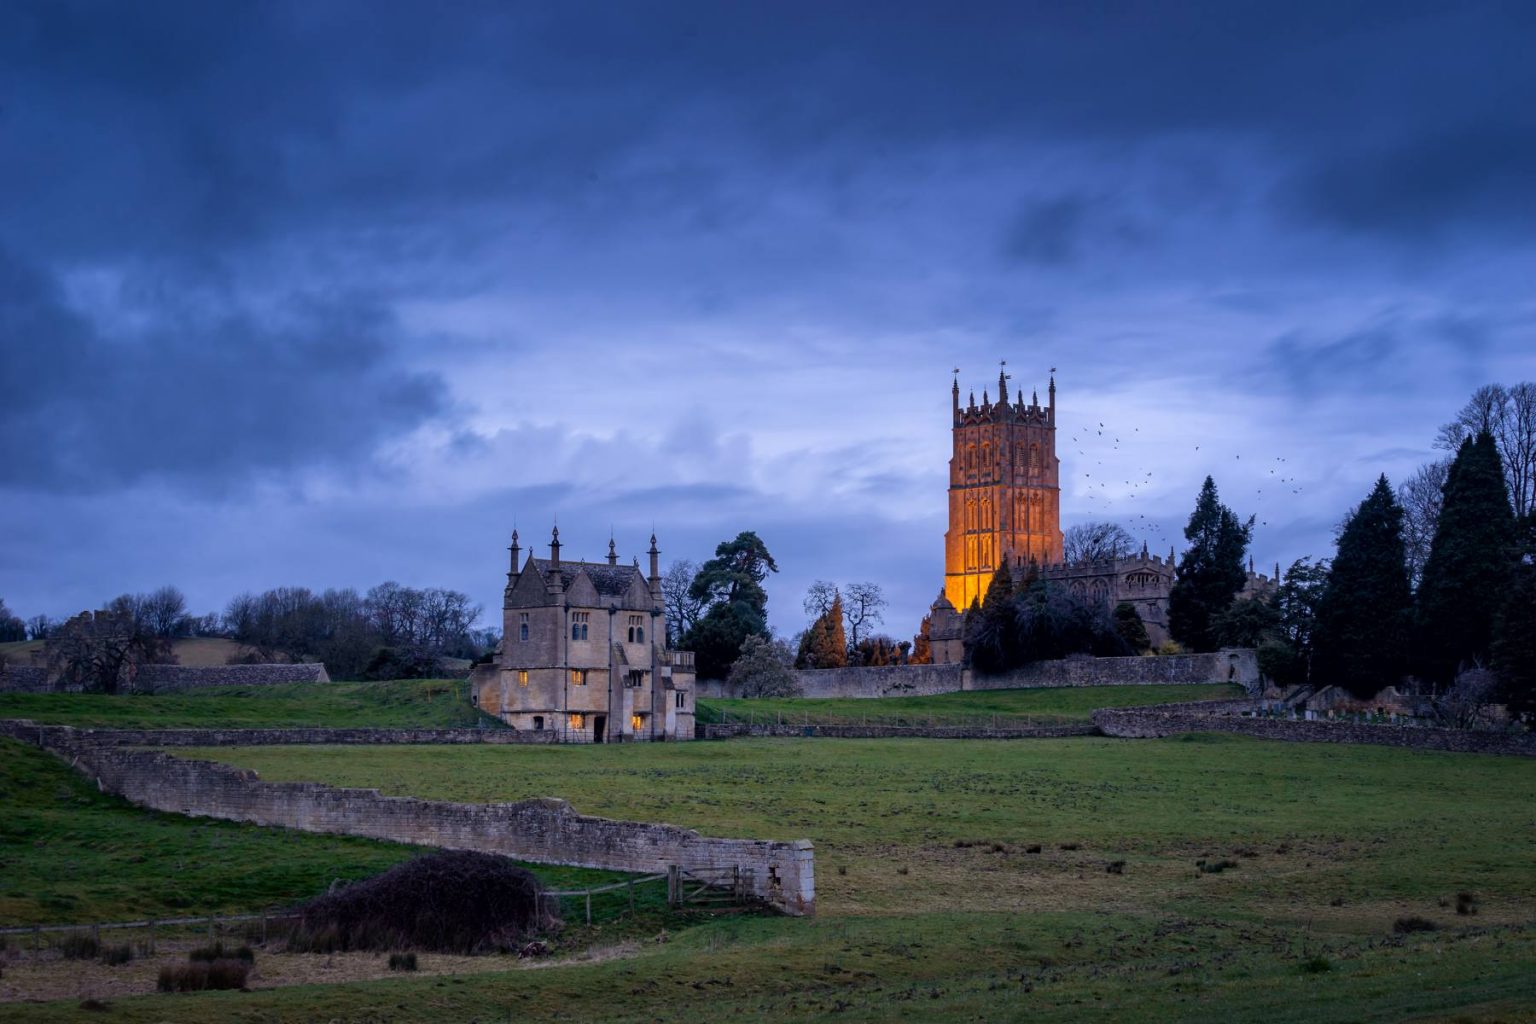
1230,666
24,729
170,678
544,831
720,731
1173,720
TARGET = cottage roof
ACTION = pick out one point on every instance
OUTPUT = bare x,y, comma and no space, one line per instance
608,580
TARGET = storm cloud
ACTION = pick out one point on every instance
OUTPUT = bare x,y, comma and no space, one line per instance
353,286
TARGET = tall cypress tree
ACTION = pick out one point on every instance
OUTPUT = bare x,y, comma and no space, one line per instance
1210,571
1514,631
1366,605
990,640
1470,561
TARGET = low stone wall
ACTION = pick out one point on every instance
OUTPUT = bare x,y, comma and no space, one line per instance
171,678
1229,666
544,831
1173,720
23,679
32,732
1238,666
162,678
721,731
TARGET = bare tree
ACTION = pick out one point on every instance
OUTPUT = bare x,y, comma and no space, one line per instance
1095,542
1509,414
101,650
681,607
863,603
164,611
1420,497
39,627
1467,703
818,598
764,669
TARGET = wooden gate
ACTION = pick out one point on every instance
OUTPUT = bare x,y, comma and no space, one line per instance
711,888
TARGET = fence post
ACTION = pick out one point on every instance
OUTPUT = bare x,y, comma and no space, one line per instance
589,906
630,885
674,885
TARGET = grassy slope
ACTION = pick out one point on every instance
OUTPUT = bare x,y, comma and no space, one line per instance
71,854
420,703
1063,702
1333,843
198,651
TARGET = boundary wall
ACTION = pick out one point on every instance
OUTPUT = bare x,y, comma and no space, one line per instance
1176,719
722,731
171,678
544,831
116,737
1238,666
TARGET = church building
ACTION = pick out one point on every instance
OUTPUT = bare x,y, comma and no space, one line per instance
584,653
1005,504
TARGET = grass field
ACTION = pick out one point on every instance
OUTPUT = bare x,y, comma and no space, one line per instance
1058,880
1007,705
69,854
407,703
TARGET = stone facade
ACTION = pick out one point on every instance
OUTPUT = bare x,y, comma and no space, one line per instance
542,831
584,653
1004,489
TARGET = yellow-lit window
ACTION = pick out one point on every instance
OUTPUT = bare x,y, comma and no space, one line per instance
636,722
522,677
578,721
578,677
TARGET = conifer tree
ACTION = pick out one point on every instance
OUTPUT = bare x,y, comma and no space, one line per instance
1366,605
989,627
1470,563
1514,631
1131,629
1210,571
823,645
922,643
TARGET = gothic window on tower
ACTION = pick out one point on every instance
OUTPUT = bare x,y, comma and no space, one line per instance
1034,458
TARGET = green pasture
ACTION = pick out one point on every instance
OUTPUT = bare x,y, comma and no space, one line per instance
399,704
69,854
1077,702
1199,878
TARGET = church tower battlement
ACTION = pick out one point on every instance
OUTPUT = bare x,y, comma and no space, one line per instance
1004,488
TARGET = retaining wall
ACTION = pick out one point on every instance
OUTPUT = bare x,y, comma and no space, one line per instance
1172,720
23,679
544,831
170,678
114,737
1228,666
720,731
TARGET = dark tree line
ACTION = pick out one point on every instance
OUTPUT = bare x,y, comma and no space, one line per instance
1036,620
391,632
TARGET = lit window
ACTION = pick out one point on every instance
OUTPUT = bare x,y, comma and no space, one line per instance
522,627
522,677
578,721
636,722
578,677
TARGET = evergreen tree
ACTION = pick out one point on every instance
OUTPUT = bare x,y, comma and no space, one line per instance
1514,631
1247,622
1130,627
922,643
1286,656
1210,572
989,628
732,585
824,644
1470,563
1364,612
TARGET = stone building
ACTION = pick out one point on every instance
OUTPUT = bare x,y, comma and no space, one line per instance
1005,502
584,653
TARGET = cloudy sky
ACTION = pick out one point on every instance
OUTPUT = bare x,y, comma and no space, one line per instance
325,293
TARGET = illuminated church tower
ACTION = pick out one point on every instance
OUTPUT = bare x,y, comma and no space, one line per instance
1004,490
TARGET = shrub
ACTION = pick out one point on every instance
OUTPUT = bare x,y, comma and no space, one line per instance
217,951
451,901
1406,925
199,976
78,946
114,956
1115,867
1466,904
1316,964
402,961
